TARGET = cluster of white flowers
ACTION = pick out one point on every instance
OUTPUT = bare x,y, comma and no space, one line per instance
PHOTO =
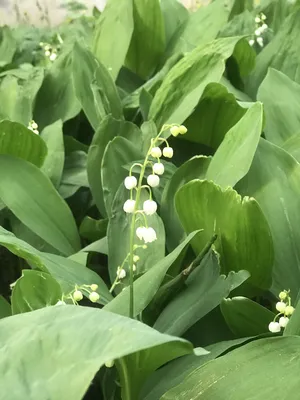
260,29
285,310
33,126
76,295
50,51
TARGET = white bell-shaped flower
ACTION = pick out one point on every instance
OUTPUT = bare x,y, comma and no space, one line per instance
175,130
182,129
149,207
149,235
168,152
153,180
158,168
140,232
274,327
289,310
77,295
121,273
130,182
283,321
128,206
280,306
156,152
94,297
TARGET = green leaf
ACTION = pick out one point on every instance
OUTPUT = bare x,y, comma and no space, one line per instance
118,235
29,194
246,317
66,271
17,96
112,35
228,376
148,39
34,290
54,163
56,99
194,168
234,156
119,152
8,46
292,146
281,54
108,129
274,181
244,238
183,86
18,141
242,24
147,285
93,229
52,342
175,15
94,87
5,308
216,113
202,27
204,291
282,111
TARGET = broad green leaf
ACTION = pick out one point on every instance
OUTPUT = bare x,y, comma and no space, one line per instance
147,285
246,317
246,371
281,98
113,34
74,175
241,24
34,290
205,289
175,15
93,229
17,96
118,235
202,27
18,141
274,181
30,195
100,246
292,146
148,39
281,54
8,46
54,163
183,86
56,99
244,237
52,342
234,156
5,308
94,87
119,152
216,113
66,271
194,168
108,129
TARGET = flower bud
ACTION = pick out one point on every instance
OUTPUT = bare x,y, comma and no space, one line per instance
156,152
149,207
289,310
94,297
182,130
283,295
77,295
94,287
153,180
168,152
130,182
175,130
280,306
109,364
60,303
260,41
140,232
283,321
149,235
257,20
53,57
121,273
274,327
158,168
251,42
136,259
145,246
128,206
134,268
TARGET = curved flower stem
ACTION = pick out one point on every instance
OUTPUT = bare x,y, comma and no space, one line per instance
133,221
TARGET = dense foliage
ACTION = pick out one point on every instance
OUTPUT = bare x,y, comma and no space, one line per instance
149,197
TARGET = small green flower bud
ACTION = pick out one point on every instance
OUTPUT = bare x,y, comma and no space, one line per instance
182,130
283,295
94,297
136,259
289,310
77,295
94,287
109,364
